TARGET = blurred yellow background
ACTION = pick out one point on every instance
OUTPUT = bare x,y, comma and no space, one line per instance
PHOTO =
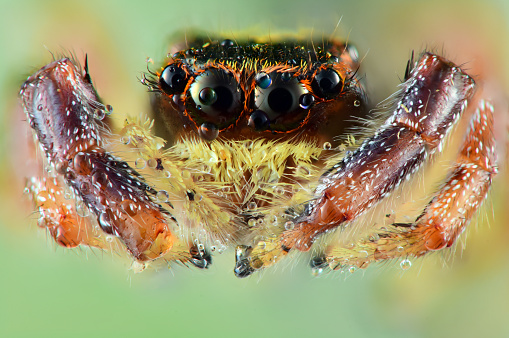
49,291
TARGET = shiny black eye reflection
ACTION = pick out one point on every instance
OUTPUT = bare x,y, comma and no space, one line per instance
279,93
327,83
214,101
173,79
281,102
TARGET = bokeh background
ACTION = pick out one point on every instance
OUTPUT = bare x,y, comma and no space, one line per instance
49,291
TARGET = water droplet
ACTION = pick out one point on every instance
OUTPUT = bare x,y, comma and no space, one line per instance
186,174
289,225
208,131
162,196
279,190
263,80
327,146
272,219
100,179
105,223
400,249
251,206
257,264
207,96
352,269
363,253
405,264
167,174
109,109
374,238
84,188
356,103
125,139
109,239
251,222
68,193
286,76
152,163
61,166
82,163
140,163
99,114
81,209
316,271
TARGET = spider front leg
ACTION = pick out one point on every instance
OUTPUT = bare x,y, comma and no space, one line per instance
432,99
64,111
446,215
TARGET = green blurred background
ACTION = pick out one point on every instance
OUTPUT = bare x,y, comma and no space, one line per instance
49,291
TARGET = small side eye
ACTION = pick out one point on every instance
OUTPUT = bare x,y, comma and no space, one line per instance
328,83
173,79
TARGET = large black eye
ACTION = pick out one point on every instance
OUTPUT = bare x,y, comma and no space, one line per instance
215,98
279,101
327,83
173,79
277,93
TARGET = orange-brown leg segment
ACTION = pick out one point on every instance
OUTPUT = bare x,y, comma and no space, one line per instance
64,111
446,215
432,99
57,213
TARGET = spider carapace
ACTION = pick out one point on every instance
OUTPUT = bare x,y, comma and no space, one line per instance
250,147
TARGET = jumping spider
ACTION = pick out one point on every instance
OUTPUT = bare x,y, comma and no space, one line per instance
251,153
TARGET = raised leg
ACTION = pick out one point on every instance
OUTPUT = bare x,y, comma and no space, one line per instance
446,215
66,115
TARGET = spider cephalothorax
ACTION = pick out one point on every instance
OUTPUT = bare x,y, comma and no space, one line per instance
251,152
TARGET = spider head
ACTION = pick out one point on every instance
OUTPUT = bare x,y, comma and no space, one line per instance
256,90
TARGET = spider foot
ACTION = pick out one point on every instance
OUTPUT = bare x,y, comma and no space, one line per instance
200,258
249,259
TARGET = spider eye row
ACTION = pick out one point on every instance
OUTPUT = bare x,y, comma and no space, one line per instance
276,101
